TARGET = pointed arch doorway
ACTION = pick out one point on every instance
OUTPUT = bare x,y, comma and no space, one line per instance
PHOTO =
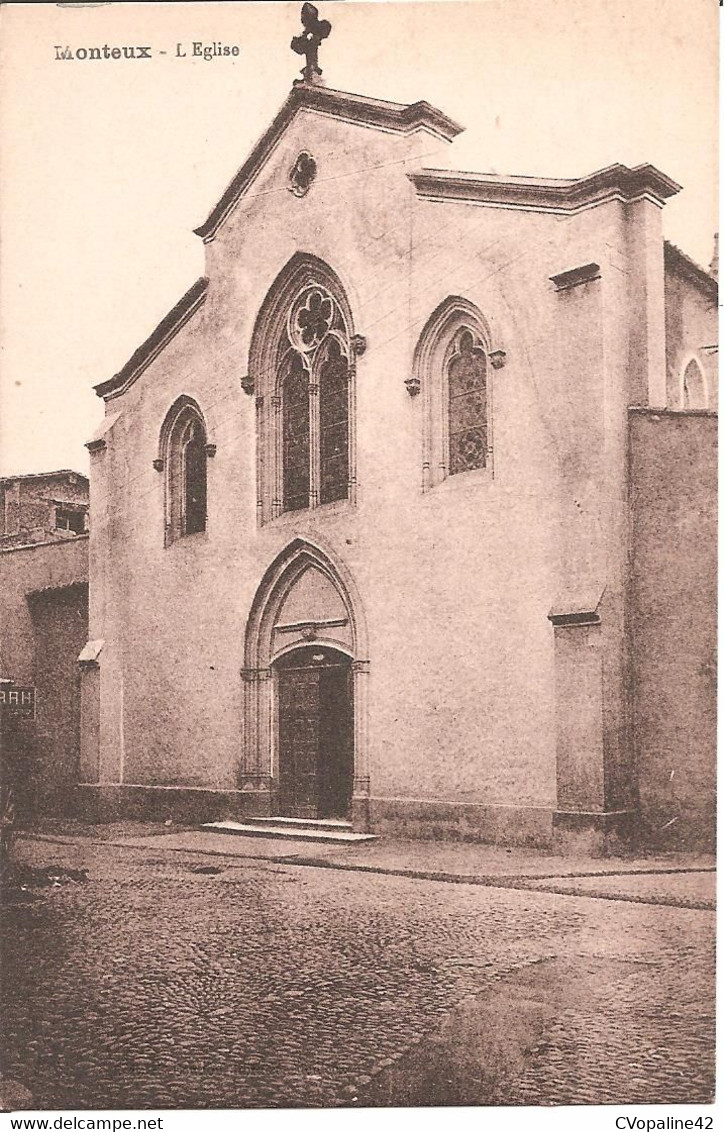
315,733
304,723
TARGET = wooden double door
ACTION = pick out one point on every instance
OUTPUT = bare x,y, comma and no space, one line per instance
316,733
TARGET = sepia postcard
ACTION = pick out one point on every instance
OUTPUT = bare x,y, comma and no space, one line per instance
358,562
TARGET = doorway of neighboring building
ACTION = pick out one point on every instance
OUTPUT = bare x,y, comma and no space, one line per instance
315,733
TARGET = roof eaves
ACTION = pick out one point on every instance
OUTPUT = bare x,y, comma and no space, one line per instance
544,193
684,265
167,328
47,542
43,476
243,177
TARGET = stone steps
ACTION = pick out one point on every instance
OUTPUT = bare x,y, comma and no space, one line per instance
291,829
331,825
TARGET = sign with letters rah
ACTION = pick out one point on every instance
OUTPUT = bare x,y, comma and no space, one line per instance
17,701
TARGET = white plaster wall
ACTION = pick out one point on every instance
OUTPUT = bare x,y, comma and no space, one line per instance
456,583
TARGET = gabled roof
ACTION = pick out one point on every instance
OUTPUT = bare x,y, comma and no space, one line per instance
545,193
392,117
682,264
372,112
148,350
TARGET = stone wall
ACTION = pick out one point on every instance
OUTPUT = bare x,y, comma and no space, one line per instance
44,607
60,624
27,502
673,624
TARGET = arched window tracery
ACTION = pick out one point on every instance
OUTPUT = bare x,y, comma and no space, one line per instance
302,360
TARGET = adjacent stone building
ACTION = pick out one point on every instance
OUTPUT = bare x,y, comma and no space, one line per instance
44,614
398,512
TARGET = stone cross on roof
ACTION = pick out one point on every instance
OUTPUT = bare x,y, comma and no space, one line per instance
315,30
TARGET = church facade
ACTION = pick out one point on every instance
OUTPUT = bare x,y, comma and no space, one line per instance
365,511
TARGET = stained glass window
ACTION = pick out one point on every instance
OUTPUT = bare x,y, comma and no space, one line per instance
333,423
295,418
467,405
314,355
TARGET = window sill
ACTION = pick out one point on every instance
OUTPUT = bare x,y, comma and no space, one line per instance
188,540
311,514
478,477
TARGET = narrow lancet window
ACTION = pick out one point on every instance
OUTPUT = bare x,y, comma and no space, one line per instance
194,467
694,387
183,456
467,404
453,366
295,413
334,423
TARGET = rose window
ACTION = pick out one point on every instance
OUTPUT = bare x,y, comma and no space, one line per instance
312,320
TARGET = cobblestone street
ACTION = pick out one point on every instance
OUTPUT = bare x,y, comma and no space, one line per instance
180,980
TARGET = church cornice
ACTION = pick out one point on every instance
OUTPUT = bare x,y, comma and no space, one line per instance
681,264
374,113
167,328
616,182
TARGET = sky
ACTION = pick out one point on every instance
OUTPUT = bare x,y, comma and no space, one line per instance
108,166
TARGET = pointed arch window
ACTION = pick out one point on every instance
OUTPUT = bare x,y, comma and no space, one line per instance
295,432
333,422
183,457
453,363
313,397
193,474
467,403
693,387
302,360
